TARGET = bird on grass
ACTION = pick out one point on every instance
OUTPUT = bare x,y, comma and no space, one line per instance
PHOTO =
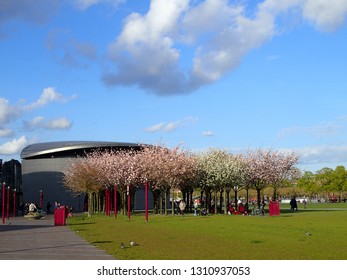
308,233
133,243
122,246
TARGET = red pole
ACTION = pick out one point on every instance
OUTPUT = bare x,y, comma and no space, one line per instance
41,198
106,201
128,192
115,201
146,201
14,202
8,203
3,203
109,202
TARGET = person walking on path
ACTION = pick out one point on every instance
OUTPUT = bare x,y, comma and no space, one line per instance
293,204
48,207
182,207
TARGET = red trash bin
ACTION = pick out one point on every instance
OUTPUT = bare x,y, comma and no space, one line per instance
60,216
274,208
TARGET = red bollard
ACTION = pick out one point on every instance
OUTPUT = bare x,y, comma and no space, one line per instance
115,201
41,198
3,203
8,203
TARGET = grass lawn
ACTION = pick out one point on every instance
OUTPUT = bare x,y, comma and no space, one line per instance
221,236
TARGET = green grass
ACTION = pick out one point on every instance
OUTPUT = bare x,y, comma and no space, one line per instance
222,237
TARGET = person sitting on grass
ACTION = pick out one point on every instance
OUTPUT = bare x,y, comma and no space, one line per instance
32,208
231,209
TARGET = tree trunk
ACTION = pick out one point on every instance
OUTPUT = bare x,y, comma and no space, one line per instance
167,192
236,208
191,200
247,204
124,199
208,200
161,202
90,204
173,202
202,204
215,202
228,200
221,200
258,197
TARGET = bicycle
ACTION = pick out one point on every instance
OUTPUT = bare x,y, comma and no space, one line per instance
258,211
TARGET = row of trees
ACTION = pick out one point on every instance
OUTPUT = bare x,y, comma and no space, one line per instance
215,173
331,183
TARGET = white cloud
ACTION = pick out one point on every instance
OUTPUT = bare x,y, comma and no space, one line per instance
208,133
171,126
220,40
229,46
48,95
155,127
55,124
218,33
144,53
317,131
326,15
60,124
8,112
322,154
6,132
207,17
85,4
10,115
13,147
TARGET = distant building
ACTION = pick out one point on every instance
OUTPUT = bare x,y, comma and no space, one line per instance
43,165
11,175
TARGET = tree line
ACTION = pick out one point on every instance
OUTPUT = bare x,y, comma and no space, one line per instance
214,173
327,183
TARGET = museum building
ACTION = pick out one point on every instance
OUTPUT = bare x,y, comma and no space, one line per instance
43,165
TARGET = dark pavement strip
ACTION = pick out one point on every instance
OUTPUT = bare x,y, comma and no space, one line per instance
26,239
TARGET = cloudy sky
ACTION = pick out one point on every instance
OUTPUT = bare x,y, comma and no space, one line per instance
235,74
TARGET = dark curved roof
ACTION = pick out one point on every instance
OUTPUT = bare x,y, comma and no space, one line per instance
70,148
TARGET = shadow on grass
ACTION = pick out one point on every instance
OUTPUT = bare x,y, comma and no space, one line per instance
81,224
102,242
288,211
256,241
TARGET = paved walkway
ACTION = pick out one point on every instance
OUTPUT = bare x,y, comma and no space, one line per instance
25,239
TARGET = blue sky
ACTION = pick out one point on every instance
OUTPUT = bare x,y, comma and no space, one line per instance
235,75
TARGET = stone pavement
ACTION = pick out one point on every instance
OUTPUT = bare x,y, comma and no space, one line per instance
26,239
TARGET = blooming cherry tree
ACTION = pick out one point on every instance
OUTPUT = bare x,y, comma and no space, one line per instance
220,171
81,176
268,168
